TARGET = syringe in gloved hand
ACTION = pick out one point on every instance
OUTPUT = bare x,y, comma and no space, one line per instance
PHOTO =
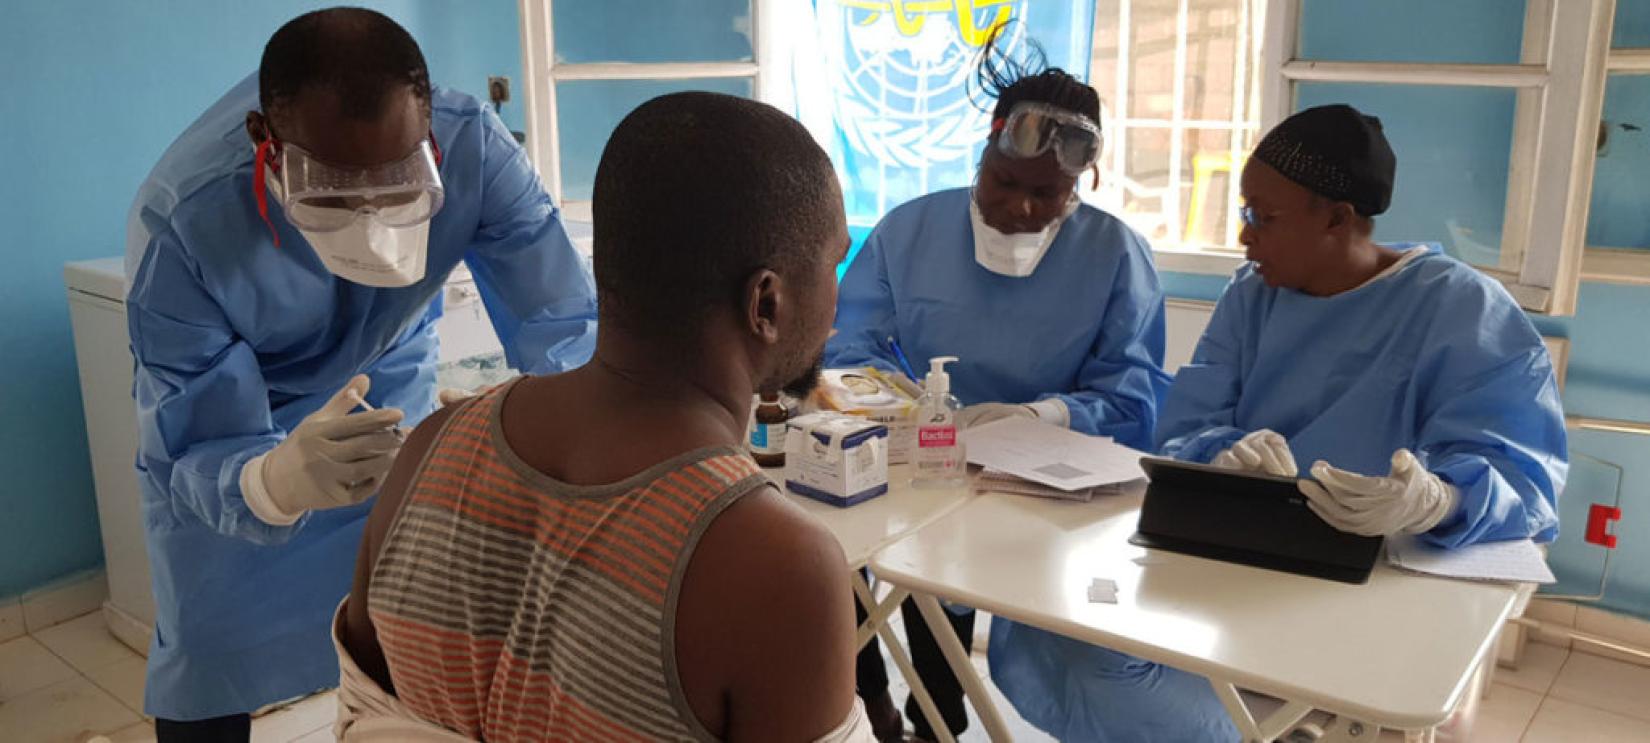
361,402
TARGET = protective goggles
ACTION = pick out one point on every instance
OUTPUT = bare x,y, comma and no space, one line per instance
1033,128
319,197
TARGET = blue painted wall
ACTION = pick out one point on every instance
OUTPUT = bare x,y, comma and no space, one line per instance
94,91
91,92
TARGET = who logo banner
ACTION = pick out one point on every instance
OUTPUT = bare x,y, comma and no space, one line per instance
907,115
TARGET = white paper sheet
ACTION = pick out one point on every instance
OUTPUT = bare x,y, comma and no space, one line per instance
1054,456
1518,561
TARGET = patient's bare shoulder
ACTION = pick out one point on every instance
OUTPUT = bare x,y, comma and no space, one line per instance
358,635
764,624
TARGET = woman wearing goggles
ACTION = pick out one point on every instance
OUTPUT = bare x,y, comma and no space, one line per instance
1054,309
1033,128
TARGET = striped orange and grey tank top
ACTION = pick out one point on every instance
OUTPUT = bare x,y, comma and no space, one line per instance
513,607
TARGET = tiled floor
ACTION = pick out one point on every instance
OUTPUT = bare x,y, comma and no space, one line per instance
73,682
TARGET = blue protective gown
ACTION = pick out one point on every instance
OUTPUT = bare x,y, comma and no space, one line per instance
1435,358
1086,326
237,340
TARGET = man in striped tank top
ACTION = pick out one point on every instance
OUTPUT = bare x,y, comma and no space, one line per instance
592,556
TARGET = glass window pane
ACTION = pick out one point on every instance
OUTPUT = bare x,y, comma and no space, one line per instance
1103,53
1146,170
1151,58
653,31
1471,31
1190,205
1632,24
1454,145
1618,217
1206,173
590,109
1212,46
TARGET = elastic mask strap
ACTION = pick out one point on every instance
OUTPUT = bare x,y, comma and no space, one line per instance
260,191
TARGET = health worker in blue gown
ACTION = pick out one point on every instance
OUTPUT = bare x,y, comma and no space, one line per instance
285,260
1409,387
1052,305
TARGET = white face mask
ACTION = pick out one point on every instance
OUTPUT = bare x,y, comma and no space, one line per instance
370,253
1018,254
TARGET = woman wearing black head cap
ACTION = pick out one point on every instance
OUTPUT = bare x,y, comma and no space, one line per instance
1052,305
1409,386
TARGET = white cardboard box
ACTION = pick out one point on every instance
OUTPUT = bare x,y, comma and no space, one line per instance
836,458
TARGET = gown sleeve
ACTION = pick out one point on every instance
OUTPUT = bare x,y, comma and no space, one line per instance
537,290
202,403
1200,414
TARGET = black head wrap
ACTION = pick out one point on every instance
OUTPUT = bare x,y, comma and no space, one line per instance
1336,152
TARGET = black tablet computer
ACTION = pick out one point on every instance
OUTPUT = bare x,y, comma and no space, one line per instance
1246,518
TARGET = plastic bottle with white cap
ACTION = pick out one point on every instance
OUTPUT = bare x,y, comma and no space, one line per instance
938,459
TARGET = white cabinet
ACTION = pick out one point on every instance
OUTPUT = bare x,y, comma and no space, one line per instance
98,311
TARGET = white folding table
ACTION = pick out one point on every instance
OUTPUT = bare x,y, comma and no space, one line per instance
864,529
1398,651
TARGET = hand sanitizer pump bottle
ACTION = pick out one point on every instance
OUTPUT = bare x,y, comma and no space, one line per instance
937,456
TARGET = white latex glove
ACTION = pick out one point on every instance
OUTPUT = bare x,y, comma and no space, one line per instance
334,458
1053,411
1410,500
1264,451
986,412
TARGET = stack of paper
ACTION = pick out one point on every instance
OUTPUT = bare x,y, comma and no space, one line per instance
994,481
1518,561
1033,458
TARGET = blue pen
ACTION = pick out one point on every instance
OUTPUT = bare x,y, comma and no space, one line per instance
899,356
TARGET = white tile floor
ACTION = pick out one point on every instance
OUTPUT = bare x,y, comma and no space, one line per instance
72,682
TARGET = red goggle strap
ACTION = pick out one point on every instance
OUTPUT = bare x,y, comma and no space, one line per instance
260,191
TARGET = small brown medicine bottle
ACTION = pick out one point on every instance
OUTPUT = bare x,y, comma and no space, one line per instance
767,439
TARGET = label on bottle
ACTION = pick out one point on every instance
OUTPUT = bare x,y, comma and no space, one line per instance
930,437
768,438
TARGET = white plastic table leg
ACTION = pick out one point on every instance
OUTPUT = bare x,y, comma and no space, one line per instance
876,616
876,612
1272,728
973,687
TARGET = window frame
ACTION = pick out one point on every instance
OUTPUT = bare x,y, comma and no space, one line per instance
538,52
1614,265
1560,104
1177,254
1561,93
